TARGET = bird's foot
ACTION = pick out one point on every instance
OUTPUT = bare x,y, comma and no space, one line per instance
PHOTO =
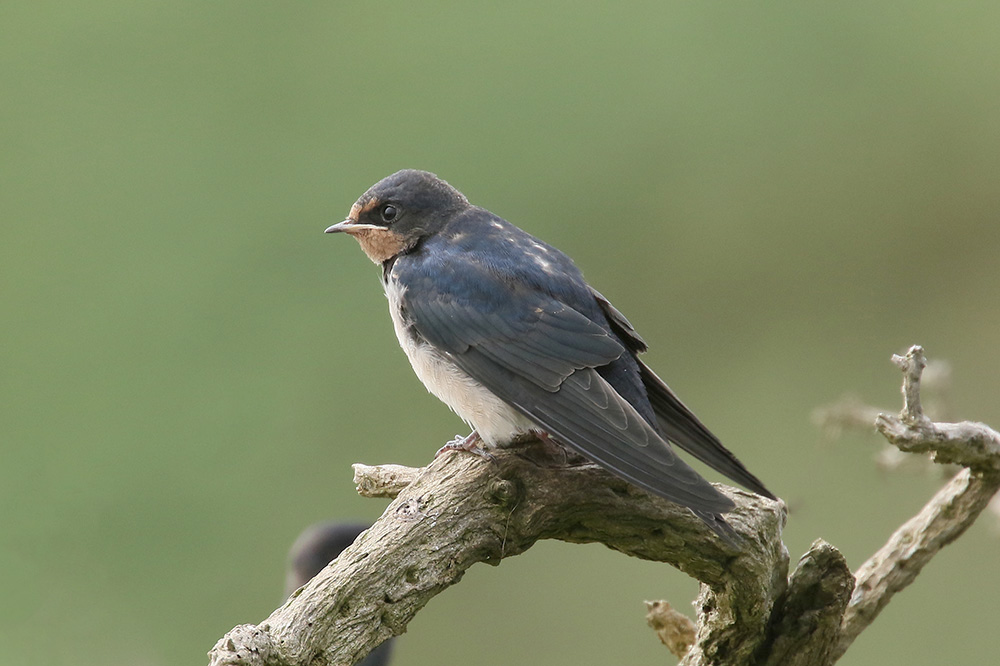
469,443
559,455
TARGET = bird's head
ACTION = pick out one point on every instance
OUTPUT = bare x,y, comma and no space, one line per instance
397,212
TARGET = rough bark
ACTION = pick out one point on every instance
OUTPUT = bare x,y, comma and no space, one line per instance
806,625
463,509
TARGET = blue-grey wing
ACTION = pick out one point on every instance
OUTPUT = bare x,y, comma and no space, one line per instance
678,423
541,356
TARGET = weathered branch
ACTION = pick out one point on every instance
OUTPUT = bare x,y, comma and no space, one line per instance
462,509
949,513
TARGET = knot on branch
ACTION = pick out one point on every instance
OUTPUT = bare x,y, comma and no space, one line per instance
504,492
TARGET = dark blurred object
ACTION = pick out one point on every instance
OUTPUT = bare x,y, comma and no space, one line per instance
317,546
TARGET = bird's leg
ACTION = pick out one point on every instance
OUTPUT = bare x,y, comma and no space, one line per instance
469,443
544,438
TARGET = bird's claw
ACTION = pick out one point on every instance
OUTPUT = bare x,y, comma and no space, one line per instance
470,444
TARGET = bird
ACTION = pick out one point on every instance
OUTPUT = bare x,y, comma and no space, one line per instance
314,548
504,329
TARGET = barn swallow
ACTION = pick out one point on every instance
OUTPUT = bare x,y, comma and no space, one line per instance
503,328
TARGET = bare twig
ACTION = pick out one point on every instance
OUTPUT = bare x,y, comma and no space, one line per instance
382,480
912,365
949,513
674,629
969,444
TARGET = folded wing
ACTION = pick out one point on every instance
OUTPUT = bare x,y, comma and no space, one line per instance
540,355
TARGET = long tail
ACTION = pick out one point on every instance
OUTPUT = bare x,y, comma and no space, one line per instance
684,429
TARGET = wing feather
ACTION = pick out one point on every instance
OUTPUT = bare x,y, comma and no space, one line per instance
541,359
538,353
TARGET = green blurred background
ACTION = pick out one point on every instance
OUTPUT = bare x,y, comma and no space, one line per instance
778,196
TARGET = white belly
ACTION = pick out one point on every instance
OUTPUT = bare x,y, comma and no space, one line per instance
495,421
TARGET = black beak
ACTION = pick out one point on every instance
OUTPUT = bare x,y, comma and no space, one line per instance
351,225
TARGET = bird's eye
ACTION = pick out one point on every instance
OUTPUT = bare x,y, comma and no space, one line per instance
389,213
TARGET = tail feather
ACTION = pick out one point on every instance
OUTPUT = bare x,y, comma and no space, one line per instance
684,429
